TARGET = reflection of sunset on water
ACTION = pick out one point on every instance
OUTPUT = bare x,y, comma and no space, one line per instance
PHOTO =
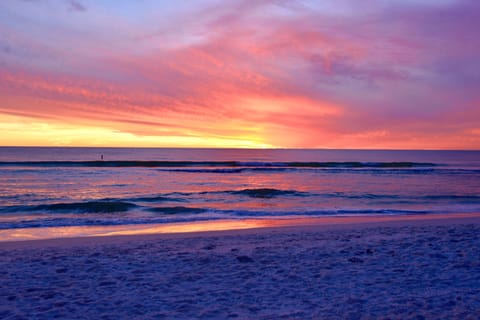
68,187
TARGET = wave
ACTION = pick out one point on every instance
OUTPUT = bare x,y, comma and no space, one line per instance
327,212
437,170
225,170
371,196
452,197
177,214
77,207
267,193
397,197
176,210
155,199
227,164
114,205
361,164
271,193
254,193
188,214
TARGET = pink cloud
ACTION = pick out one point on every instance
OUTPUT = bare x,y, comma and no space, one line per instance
297,74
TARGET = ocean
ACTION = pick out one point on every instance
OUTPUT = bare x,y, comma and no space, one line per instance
50,186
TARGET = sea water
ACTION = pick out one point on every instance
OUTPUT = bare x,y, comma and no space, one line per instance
42,187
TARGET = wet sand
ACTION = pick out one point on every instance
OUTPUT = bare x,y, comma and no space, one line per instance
422,267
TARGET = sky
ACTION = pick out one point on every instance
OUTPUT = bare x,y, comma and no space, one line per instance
377,74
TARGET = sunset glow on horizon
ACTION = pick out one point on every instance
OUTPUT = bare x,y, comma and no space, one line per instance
243,74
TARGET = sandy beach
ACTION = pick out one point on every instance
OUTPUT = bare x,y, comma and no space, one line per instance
416,268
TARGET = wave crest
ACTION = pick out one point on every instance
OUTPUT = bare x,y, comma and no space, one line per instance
83,207
268,193
161,164
176,210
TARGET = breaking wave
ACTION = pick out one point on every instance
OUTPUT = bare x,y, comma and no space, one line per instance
227,164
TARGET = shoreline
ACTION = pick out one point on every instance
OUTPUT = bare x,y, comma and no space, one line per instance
100,235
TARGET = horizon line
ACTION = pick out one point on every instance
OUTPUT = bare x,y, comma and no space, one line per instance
243,148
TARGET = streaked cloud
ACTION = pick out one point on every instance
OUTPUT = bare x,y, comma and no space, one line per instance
383,74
